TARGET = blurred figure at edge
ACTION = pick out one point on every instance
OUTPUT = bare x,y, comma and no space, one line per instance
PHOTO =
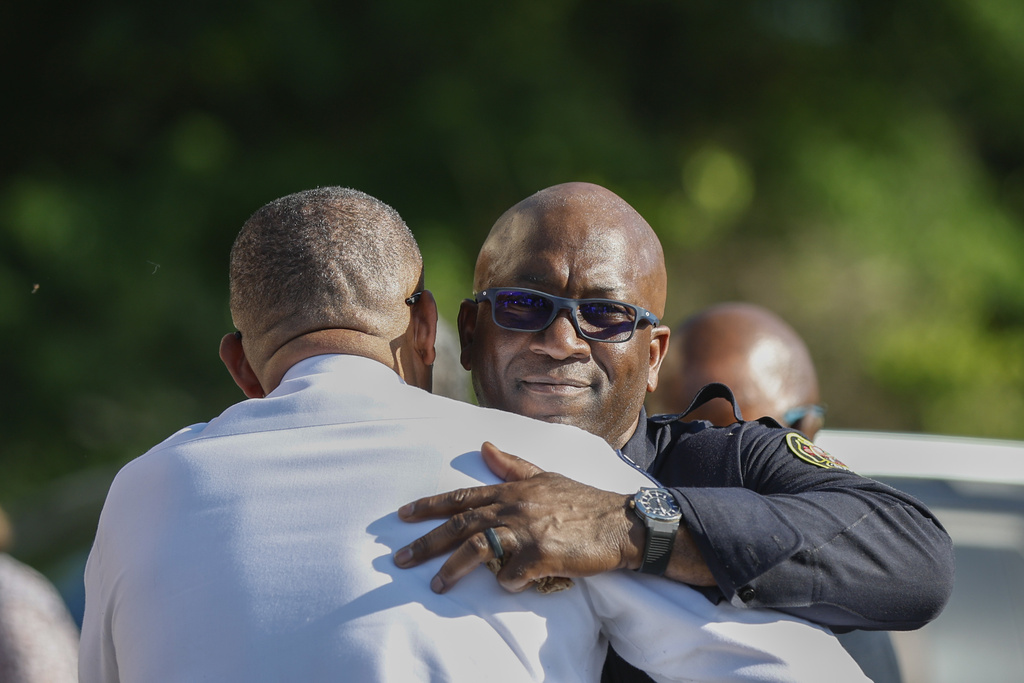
38,638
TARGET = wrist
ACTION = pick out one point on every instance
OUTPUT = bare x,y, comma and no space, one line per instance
636,537
661,516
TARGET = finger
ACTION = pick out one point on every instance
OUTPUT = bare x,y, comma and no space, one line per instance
467,557
506,465
513,581
443,538
446,504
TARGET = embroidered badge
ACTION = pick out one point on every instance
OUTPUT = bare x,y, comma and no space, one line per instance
802,448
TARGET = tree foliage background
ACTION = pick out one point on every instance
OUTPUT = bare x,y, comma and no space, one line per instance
855,165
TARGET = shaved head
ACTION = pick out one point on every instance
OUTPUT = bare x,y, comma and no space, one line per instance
748,348
578,241
582,217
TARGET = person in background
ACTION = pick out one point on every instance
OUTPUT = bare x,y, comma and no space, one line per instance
756,354
769,369
38,637
257,547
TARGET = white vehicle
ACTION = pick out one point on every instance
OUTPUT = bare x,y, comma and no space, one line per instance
976,489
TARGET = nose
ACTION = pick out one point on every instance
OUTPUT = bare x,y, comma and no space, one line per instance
560,339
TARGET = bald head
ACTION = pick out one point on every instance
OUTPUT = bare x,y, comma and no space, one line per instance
750,349
575,241
579,219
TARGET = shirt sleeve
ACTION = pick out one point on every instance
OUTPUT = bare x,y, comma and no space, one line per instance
783,525
675,634
97,662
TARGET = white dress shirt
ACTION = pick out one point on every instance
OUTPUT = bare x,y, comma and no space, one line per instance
258,547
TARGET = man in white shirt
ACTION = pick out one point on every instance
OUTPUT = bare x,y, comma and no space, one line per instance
257,547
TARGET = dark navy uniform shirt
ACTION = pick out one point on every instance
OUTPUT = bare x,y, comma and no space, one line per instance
784,526
821,543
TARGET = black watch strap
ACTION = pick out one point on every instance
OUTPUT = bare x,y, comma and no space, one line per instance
660,513
661,537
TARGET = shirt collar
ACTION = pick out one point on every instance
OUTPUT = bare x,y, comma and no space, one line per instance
359,368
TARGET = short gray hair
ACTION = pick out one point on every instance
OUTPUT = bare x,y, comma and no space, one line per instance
330,257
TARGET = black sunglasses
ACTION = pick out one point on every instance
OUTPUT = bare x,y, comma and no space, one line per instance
601,320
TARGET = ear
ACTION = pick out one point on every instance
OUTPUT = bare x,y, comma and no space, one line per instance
423,327
233,356
658,348
467,327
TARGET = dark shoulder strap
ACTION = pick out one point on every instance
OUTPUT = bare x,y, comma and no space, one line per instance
713,391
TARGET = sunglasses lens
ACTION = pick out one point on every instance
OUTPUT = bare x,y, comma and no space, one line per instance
596,319
803,417
606,321
524,311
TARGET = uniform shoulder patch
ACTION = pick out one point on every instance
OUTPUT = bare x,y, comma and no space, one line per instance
804,448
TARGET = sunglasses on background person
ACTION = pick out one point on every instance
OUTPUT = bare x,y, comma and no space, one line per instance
600,320
803,417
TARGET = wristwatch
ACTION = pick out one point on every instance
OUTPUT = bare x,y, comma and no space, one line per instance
661,515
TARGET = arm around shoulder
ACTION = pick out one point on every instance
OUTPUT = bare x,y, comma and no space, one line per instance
818,542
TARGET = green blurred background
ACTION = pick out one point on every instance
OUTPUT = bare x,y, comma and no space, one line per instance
855,165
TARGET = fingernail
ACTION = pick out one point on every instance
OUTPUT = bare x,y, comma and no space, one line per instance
406,510
437,585
403,557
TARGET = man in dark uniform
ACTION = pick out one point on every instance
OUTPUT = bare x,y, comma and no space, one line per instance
564,327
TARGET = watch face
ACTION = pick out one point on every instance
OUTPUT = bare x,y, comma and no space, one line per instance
658,504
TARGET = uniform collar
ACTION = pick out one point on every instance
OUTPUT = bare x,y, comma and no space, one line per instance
640,448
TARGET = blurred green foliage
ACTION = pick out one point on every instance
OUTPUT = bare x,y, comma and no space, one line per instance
856,165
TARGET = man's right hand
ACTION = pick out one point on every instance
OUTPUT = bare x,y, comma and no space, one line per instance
548,526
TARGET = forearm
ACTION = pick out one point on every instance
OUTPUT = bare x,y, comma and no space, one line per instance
687,564
839,558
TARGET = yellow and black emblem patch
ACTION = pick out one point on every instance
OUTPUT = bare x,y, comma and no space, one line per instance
803,448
